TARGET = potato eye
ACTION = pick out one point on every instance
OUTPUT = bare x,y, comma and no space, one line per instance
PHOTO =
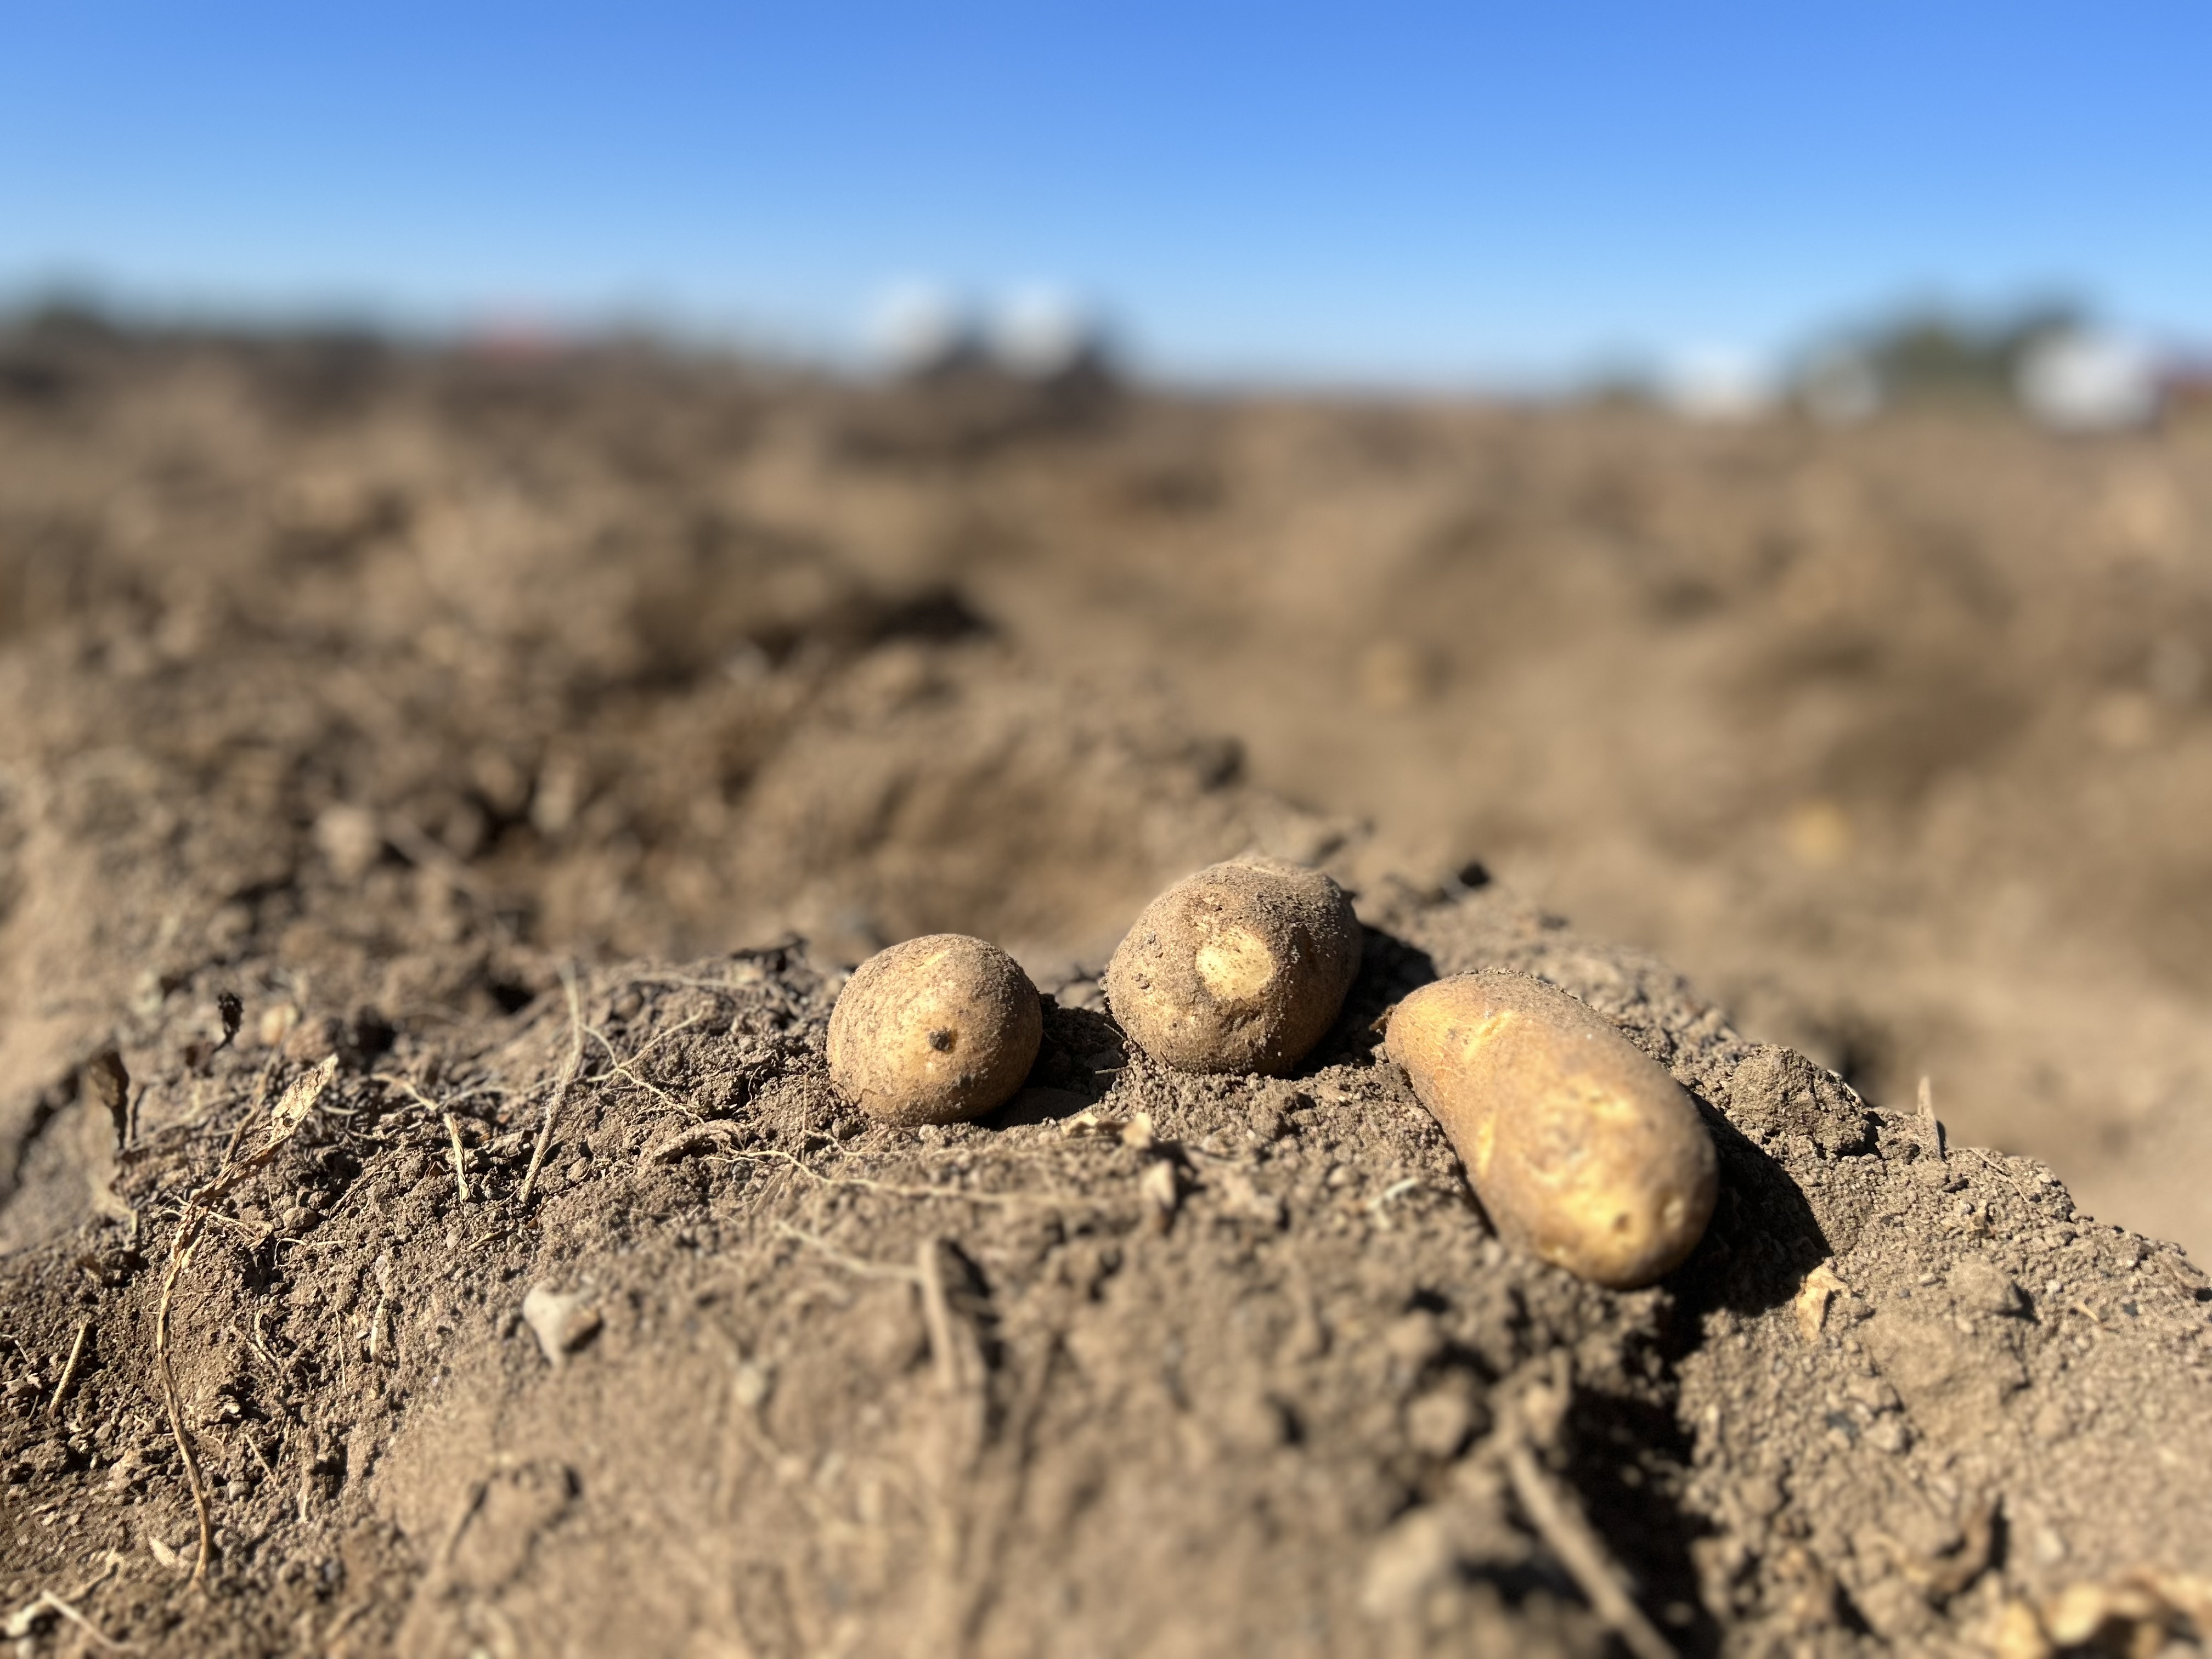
941,1039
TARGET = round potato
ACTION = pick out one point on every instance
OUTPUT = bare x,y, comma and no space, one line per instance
1580,1146
935,1031
1240,968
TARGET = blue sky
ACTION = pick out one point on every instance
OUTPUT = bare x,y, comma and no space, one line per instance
1377,192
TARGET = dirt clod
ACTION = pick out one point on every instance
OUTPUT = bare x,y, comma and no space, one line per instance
561,1322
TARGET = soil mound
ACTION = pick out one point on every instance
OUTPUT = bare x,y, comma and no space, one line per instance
601,1325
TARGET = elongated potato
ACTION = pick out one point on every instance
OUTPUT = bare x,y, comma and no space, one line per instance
934,1031
1579,1145
1240,968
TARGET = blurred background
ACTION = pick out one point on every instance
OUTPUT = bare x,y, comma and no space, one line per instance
486,479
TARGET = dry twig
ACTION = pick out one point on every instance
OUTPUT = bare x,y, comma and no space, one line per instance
460,1156
1565,1531
19,1626
955,1359
888,1188
851,1264
1931,1126
284,1122
2027,1203
625,1069
561,1089
69,1371
1579,1550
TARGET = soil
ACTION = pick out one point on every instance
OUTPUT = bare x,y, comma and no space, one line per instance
530,746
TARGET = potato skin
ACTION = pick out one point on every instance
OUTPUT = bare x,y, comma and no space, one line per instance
1579,1145
935,1031
1241,967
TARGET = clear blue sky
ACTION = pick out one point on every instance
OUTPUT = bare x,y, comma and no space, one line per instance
1367,191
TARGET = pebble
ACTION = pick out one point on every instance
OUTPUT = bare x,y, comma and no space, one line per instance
561,1322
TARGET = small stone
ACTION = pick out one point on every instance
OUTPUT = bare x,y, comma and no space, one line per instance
1889,1434
1821,1287
1438,1422
347,836
1162,1191
276,1024
561,1322
1414,1340
752,1385
1983,1287
1761,1496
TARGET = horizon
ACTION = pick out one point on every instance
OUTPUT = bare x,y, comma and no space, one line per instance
1237,194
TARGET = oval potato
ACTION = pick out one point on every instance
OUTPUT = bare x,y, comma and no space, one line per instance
1241,967
1579,1145
935,1031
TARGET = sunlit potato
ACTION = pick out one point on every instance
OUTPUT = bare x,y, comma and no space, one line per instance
939,1029
1579,1145
1242,967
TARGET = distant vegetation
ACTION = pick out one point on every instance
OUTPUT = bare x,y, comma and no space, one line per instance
1930,355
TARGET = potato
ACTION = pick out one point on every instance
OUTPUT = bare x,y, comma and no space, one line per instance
1240,968
1580,1146
935,1031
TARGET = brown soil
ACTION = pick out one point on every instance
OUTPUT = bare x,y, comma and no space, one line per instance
425,707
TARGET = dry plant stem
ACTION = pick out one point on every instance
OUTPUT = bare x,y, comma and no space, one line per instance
937,1314
1928,1121
69,1371
291,1112
851,1264
392,1080
561,1089
1570,1539
888,1188
48,1599
626,1069
2006,1175
181,1254
460,1156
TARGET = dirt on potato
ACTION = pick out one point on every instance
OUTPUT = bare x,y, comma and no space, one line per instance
541,740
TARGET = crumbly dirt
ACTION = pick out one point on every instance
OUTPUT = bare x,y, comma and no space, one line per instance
1145,1364
470,723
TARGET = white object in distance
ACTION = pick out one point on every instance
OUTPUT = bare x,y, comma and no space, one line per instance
917,326
1042,332
1719,385
2081,380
